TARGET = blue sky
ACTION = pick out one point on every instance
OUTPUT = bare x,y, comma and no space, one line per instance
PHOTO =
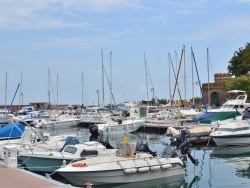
67,36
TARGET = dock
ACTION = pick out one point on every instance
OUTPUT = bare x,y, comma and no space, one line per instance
15,177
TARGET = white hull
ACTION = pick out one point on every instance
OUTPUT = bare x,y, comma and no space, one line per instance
124,128
73,122
123,170
232,140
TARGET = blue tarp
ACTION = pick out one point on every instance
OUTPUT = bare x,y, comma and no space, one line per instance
11,130
203,117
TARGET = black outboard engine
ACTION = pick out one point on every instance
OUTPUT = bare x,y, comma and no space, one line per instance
93,129
184,148
169,151
246,114
184,134
143,147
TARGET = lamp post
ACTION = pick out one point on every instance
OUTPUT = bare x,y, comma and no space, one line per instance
97,91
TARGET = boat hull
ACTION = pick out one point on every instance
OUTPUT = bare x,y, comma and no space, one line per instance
120,128
42,164
120,176
232,140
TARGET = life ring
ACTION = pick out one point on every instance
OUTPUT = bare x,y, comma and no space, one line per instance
79,165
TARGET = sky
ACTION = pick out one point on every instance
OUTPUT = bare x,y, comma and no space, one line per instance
61,45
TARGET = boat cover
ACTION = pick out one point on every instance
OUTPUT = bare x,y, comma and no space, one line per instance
221,116
12,130
209,117
202,117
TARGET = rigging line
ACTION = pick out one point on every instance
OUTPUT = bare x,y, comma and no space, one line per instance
149,76
176,78
52,89
203,98
109,85
211,63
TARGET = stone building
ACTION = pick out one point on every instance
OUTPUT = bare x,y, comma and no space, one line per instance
215,93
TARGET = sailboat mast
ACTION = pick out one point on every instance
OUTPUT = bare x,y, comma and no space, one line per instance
57,81
169,76
185,84
21,93
111,80
208,89
146,75
5,100
82,88
49,85
103,102
192,66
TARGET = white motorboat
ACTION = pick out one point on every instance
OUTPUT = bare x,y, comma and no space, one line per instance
125,167
231,132
236,102
117,127
49,161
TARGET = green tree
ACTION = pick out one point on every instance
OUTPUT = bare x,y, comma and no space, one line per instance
239,83
240,62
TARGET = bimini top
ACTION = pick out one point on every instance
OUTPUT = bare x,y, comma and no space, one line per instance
236,91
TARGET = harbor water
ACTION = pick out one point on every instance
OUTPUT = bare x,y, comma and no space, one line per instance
218,166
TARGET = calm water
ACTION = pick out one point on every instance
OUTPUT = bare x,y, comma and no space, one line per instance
218,167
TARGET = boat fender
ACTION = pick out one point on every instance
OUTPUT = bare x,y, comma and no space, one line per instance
130,170
155,168
143,169
79,165
165,166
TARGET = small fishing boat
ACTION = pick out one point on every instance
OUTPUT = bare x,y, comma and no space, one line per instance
124,167
117,126
49,161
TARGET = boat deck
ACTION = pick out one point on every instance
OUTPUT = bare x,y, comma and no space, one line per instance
13,177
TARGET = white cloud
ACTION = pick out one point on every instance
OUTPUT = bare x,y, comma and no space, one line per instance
46,14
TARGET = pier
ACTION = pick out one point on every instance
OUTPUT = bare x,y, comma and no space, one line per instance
15,177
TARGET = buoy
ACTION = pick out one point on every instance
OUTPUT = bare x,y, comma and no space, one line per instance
79,165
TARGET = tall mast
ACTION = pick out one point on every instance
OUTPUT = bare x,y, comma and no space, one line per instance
146,75
208,92
49,85
185,84
57,80
5,100
21,93
111,80
169,76
82,88
192,66
103,101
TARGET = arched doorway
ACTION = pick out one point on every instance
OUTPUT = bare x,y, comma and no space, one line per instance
215,99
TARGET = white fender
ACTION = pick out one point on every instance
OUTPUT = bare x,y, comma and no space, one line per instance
143,169
130,170
155,167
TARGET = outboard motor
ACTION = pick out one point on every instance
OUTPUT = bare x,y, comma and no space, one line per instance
93,129
184,134
143,147
184,148
169,151
246,114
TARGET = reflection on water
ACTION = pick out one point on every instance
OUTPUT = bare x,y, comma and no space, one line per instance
218,166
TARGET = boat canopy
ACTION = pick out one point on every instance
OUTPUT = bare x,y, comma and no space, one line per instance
209,117
236,91
12,130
